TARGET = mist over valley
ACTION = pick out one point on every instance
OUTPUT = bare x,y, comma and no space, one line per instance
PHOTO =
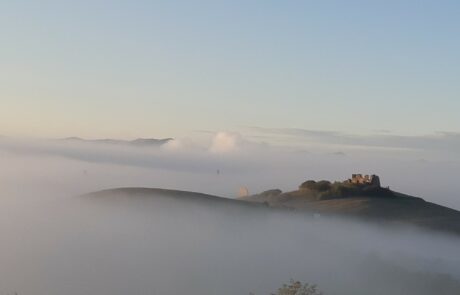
69,228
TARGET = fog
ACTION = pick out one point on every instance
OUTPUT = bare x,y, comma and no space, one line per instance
57,242
221,165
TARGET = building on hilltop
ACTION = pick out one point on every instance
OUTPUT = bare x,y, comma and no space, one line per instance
373,180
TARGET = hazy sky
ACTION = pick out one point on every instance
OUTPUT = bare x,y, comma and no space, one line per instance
167,68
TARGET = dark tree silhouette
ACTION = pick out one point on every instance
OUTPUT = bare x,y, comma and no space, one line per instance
297,288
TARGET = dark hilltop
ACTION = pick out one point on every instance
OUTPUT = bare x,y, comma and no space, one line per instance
139,142
360,197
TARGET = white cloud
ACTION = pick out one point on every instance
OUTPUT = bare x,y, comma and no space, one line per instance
225,142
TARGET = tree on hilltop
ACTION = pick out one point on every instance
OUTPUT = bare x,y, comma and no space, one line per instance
297,288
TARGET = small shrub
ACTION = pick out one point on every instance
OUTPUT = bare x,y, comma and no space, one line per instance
297,288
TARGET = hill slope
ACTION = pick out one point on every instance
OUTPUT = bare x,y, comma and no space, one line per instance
382,206
371,203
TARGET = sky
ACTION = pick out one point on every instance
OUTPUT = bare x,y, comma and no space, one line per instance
127,69
256,94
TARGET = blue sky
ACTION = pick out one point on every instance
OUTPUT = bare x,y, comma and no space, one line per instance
168,68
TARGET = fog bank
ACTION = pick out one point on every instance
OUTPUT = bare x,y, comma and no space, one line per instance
221,166
159,245
56,243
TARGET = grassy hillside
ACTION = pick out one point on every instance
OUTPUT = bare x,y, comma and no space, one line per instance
336,199
362,201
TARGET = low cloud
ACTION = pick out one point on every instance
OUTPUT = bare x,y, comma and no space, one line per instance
222,164
62,245
173,246
437,142
225,142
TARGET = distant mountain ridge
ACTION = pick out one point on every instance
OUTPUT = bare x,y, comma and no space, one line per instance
141,142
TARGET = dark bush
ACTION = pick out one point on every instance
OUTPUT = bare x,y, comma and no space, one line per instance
320,186
309,184
297,288
323,185
325,190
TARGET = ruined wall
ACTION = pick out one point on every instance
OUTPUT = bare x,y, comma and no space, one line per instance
366,179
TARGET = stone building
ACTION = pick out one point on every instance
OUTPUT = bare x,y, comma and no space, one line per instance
373,180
